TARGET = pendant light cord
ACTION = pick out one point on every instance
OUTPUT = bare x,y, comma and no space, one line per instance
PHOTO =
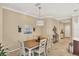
39,12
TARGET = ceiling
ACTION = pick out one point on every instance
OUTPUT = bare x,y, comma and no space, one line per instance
60,11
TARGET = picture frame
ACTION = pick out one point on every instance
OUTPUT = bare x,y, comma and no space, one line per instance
27,29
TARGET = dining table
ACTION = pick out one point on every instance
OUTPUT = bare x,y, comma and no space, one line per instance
31,44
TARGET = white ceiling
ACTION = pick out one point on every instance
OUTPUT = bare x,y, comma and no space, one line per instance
56,10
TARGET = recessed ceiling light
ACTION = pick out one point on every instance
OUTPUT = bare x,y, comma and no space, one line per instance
37,4
75,10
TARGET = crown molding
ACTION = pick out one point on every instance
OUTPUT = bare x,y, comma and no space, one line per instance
27,14
11,9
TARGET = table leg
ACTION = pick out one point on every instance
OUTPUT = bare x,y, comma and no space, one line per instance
29,52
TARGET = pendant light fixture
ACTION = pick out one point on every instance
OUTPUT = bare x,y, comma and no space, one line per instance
39,21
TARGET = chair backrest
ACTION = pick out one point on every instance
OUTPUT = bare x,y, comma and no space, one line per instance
22,49
42,45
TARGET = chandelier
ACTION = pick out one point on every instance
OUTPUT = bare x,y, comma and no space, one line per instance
39,21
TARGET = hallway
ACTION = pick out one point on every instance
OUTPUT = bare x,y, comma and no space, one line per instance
60,48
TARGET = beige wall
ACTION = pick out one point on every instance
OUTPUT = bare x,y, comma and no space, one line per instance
1,25
47,29
11,22
75,28
50,23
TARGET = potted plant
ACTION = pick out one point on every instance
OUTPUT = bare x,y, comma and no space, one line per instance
62,34
2,51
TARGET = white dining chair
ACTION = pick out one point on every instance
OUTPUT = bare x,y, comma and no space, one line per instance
23,51
42,47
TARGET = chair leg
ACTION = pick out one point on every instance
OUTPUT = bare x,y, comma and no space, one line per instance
44,53
32,53
39,54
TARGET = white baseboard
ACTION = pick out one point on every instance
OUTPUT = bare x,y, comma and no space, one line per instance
14,50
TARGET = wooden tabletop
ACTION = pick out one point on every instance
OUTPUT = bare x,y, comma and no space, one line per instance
32,43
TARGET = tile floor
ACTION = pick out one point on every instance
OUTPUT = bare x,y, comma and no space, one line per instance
60,48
